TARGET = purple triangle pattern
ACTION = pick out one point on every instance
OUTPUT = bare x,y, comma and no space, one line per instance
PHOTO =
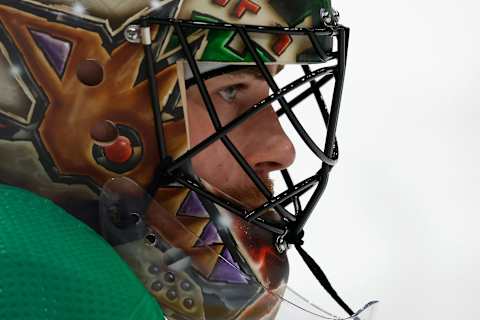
225,272
192,207
209,236
55,50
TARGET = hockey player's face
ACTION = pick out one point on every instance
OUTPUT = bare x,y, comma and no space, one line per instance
261,139
265,146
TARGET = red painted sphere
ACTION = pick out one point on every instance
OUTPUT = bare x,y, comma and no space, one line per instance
120,151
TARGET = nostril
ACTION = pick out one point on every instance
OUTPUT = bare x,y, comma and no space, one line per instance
274,156
264,168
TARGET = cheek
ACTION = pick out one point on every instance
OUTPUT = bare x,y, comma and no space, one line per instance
227,111
199,124
211,163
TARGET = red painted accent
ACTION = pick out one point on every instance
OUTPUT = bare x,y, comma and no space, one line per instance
3,126
244,6
222,3
283,42
120,151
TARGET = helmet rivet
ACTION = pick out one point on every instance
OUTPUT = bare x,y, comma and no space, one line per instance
156,286
188,303
133,33
336,14
154,269
186,285
169,277
281,245
172,294
150,240
326,16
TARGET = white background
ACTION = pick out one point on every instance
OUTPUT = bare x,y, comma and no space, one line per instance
399,220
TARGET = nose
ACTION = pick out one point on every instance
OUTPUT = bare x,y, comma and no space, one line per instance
268,147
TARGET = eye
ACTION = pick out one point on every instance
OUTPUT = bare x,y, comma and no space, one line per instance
229,93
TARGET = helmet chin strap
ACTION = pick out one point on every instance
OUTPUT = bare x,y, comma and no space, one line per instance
297,241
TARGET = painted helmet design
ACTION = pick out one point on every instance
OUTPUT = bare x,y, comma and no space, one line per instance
93,115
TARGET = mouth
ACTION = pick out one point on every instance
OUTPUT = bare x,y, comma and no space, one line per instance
249,198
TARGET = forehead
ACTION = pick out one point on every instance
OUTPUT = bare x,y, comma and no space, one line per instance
212,71
255,71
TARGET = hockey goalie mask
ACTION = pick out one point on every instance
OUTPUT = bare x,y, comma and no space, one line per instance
169,127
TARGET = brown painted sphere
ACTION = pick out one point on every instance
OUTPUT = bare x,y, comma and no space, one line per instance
104,133
90,72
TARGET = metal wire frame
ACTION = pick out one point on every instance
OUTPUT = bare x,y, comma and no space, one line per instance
192,184
290,185
324,72
217,124
152,86
151,20
330,140
291,222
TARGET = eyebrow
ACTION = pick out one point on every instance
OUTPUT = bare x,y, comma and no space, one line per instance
236,71
248,71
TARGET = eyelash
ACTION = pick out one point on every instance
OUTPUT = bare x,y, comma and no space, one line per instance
236,88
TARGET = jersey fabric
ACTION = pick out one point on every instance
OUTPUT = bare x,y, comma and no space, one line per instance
52,266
